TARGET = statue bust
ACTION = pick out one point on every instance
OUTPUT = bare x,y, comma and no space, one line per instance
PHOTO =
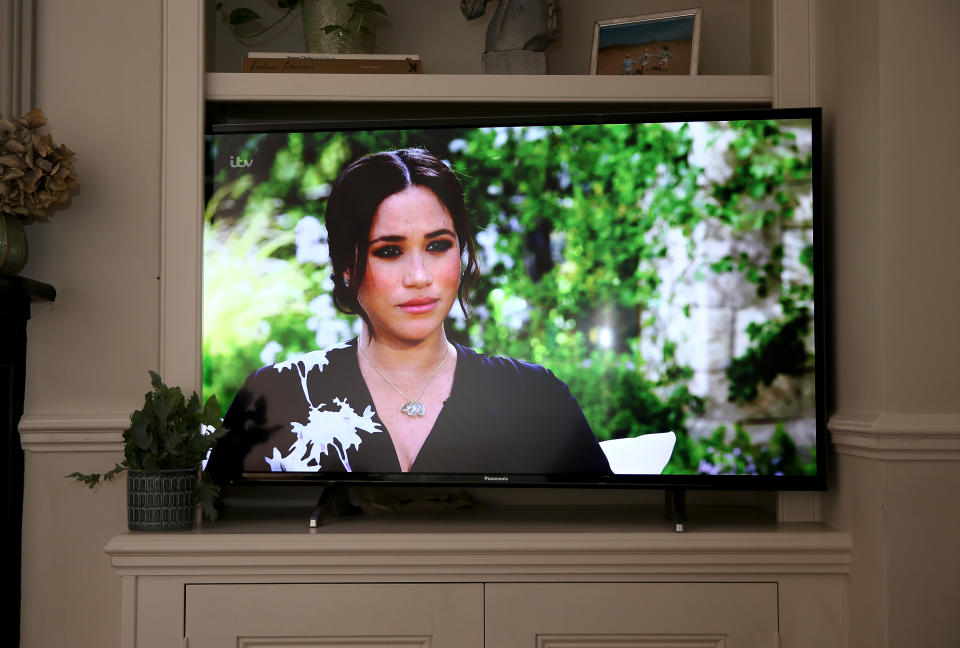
518,32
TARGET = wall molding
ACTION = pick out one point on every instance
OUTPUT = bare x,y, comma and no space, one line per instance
793,52
888,436
884,436
16,56
73,432
181,192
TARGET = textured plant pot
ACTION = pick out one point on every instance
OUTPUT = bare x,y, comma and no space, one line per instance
319,13
13,245
162,501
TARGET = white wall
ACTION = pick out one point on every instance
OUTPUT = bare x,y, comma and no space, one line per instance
98,80
886,74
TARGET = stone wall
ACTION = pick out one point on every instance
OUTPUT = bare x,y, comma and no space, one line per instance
706,312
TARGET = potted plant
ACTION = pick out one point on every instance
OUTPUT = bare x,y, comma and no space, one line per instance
164,448
36,177
342,29
329,26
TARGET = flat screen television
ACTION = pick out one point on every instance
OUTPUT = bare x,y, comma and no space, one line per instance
648,308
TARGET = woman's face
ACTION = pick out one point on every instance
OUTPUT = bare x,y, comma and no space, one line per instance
413,267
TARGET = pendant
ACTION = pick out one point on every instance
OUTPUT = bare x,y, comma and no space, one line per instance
413,408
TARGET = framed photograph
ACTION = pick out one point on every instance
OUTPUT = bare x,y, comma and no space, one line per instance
653,44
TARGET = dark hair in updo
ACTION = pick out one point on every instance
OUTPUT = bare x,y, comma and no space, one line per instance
353,202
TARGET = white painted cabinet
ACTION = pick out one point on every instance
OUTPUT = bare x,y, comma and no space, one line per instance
621,615
512,578
384,615
467,615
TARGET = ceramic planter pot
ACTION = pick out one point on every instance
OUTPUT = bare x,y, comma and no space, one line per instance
162,501
319,13
13,245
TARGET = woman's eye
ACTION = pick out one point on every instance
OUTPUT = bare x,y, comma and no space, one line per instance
441,245
387,252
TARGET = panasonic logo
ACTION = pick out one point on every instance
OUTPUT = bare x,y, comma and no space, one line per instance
489,478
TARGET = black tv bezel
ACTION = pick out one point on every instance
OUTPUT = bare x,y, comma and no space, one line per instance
220,122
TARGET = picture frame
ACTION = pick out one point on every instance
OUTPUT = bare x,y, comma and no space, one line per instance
658,44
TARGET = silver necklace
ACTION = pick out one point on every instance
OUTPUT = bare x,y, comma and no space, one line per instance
411,406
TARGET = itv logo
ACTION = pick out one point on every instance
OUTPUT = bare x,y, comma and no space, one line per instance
237,163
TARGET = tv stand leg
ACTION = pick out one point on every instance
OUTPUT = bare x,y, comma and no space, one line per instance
321,504
334,497
676,507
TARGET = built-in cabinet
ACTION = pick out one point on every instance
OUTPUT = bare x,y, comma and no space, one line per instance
496,577
547,579
405,615
506,615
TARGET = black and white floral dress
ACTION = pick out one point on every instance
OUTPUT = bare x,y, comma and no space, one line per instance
314,413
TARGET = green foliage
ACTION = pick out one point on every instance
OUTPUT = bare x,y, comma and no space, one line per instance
715,455
242,16
620,402
245,264
767,164
243,21
245,16
166,434
779,348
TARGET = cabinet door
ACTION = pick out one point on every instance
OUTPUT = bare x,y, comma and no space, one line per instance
631,615
432,615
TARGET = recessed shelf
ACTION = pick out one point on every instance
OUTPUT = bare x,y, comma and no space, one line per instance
748,90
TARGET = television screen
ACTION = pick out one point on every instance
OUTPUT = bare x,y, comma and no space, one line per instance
605,299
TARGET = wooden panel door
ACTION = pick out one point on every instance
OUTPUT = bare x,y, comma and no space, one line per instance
631,615
335,615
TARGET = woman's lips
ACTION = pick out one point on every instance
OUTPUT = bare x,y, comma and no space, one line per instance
418,306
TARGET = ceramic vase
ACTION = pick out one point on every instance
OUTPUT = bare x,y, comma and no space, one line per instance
13,245
317,14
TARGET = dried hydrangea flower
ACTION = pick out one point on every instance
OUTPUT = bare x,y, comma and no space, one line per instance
36,175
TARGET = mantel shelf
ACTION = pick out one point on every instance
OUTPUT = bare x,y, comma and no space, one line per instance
750,90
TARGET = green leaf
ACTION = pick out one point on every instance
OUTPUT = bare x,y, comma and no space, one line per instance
211,412
366,6
207,495
113,472
242,16
806,257
140,436
90,480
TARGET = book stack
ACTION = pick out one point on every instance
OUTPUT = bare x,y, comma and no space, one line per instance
292,62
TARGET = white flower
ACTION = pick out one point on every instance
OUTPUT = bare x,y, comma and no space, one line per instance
269,354
334,428
308,361
317,192
311,240
327,326
534,133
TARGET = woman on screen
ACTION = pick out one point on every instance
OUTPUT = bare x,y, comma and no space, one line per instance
402,397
